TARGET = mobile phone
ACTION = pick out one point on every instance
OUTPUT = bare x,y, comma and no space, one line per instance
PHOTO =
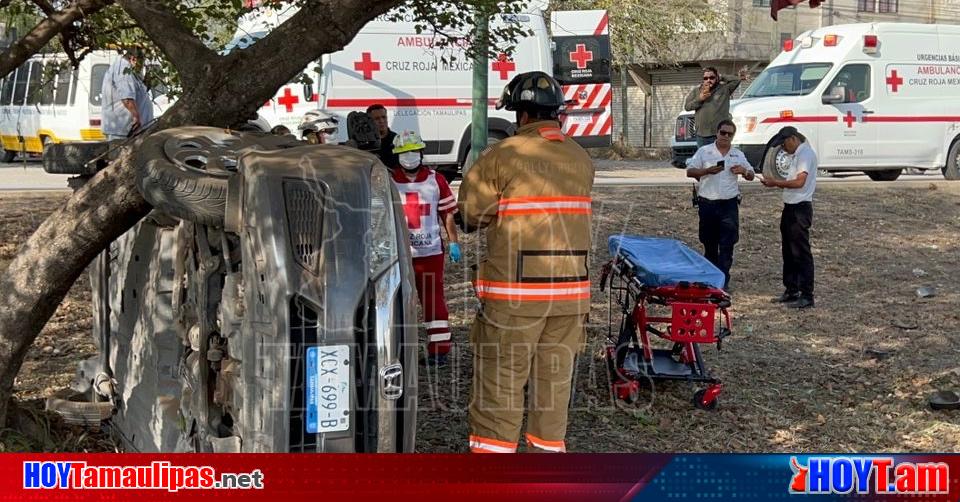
721,164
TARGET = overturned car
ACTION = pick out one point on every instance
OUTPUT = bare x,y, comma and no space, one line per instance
266,304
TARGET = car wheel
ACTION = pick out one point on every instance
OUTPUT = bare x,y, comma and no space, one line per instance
952,170
493,137
776,163
73,158
184,171
884,175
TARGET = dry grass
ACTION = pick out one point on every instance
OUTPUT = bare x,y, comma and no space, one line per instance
794,381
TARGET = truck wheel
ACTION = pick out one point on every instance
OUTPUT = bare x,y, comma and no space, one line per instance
951,171
72,158
884,175
184,171
493,137
776,163
8,156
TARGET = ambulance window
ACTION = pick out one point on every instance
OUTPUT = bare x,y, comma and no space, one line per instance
96,83
8,88
73,87
33,88
788,80
854,81
62,94
46,87
20,87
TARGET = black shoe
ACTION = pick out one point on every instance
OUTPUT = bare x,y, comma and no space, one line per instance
786,298
800,303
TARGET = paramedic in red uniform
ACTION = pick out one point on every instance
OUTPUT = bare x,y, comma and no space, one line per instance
428,203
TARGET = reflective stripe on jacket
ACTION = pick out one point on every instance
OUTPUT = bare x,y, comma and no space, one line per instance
532,194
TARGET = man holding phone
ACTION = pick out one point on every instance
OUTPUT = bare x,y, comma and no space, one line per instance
717,167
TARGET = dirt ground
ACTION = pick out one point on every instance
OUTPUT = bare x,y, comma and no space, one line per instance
794,381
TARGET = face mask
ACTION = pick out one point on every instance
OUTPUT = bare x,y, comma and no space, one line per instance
410,160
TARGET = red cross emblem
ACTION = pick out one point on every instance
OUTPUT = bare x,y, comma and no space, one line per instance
504,66
414,210
366,65
287,100
849,119
581,56
894,81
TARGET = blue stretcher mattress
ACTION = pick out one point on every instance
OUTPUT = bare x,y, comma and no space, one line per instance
664,262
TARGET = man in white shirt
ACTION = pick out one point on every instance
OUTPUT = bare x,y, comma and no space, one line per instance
718,167
125,99
797,216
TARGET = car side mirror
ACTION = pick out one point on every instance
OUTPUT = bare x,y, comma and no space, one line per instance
836,95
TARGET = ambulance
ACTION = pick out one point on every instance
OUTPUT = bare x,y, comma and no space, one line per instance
429,89
876,98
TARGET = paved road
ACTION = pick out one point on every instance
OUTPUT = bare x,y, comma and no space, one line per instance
28,176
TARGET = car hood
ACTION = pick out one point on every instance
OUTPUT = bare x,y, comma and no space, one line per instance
763,106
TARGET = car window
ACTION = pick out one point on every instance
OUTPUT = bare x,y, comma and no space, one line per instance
788,80
96,83
33,87
62,91
852,82
47,82
7,93
20,87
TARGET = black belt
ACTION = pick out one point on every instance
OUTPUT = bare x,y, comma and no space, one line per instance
717,201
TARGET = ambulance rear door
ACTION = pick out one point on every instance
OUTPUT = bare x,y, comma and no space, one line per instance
390,64
581,63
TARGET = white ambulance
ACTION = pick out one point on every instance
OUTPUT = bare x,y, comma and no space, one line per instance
46,100
869,97
428,89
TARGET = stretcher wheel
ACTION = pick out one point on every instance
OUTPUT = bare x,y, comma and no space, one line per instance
698,401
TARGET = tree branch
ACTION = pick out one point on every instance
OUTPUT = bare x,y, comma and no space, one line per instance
45,30
180,45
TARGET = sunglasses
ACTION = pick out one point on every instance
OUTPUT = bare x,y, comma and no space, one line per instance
709,78
725,133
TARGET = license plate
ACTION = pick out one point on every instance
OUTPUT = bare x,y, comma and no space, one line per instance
328,388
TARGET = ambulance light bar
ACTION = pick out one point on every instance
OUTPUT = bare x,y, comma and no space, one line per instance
788,45
830,41
870,44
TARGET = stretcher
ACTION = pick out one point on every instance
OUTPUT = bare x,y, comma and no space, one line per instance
664,290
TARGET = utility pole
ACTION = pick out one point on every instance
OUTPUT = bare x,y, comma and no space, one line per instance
624,108
478,122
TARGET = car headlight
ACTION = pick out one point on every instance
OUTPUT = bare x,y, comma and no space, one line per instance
382,240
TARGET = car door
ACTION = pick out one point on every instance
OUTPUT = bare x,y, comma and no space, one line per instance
850,141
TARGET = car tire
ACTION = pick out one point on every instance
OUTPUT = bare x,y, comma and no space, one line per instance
493,137
175,177
951,171
884,175
771,158
74,157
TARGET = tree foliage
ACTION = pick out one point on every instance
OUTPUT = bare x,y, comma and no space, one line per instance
648,31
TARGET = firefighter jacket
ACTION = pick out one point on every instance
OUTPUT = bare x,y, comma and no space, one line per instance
532,194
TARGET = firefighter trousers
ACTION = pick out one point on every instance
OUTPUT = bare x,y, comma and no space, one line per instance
512,353
428,274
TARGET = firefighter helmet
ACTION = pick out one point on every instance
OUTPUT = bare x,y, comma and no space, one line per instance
534,89
408,141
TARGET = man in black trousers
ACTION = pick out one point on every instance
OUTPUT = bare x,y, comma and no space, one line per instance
797,216
718,167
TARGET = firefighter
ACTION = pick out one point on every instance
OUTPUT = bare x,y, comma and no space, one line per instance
532,194
428,202
317,127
